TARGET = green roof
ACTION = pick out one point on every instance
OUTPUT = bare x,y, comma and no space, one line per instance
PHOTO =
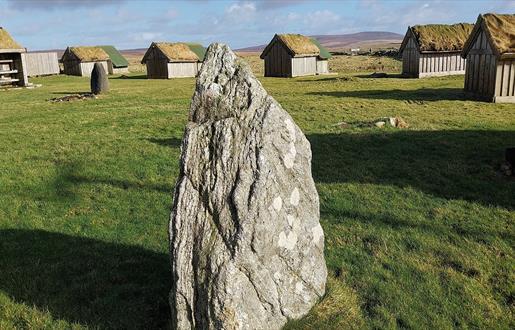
324,53
198,49
115,56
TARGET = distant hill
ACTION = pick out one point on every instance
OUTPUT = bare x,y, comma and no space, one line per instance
354,40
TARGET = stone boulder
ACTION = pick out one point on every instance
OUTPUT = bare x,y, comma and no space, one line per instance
247,248
99,81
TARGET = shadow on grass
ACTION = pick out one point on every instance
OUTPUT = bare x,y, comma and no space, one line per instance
70,174
423,94
103,285
450,164
388,76
140,77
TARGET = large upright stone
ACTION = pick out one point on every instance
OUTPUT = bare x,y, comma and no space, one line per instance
99,81
245,239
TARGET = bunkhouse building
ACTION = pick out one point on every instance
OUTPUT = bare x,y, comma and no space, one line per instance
79,61
12,61
294,55
434,50
165,60
490,54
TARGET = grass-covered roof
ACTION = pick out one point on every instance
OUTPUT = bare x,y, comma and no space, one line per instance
180,51
116,57
298,45
89,54
501,29
6,41
441,37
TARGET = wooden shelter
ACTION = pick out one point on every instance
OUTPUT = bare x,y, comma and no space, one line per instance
41,63
490,54
79,61
165,60
294,55
117,63
12,62
434,50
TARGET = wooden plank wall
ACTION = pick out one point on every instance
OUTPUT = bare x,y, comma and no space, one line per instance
441,64
17,62
87,68
72,68
278,62
505,82
157,65
322,66
481,71
410,59
304,66
41,64
181,70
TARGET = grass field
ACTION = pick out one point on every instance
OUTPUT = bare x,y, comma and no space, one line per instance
419,222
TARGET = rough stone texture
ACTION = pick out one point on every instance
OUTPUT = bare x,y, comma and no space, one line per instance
99,81
245,239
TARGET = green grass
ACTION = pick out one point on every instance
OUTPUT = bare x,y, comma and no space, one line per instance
419,223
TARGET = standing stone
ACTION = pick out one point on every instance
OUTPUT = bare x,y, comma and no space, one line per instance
99,81
247,248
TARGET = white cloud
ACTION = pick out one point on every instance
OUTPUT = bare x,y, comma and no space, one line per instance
243,8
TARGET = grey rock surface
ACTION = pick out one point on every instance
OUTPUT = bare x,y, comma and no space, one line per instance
99,80
247,248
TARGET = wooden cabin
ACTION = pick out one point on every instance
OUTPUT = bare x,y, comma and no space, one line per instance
117,63
490,54
12,62
41,63
294,55
165,60
79,61
434,50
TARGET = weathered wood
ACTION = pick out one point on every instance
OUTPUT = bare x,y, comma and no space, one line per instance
506,71
41,64
8,81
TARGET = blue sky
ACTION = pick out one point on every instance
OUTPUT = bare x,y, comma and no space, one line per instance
47,24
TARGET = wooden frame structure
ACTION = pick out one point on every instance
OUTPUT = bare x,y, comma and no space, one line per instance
420,60
79,61
490,52
165,60
294,55
12,61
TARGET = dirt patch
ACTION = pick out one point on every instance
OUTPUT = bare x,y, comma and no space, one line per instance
74,97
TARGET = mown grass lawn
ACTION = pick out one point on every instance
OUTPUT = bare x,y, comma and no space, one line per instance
419,222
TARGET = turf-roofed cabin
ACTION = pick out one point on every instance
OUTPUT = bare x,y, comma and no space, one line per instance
79,61
117,64
490,54
12,62
434,50
165,60
294,55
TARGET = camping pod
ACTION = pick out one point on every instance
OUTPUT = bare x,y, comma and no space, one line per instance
490,54
294,55
434,50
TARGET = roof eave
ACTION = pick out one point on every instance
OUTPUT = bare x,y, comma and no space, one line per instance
14,50
440,51
506,56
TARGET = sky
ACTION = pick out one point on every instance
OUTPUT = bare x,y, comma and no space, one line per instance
127,24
